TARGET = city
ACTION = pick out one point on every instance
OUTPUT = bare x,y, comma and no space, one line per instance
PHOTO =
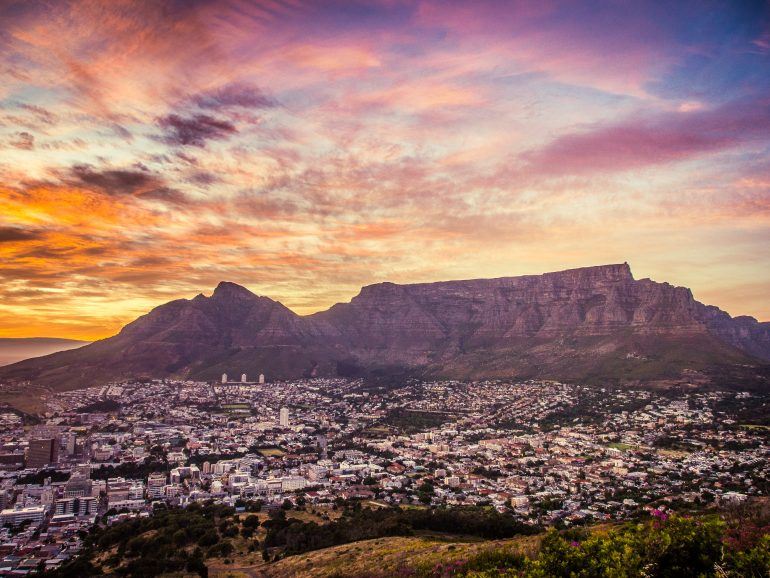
545,452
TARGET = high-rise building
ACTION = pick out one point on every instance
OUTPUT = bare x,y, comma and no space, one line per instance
283,417
224,378
261,378
42,452
243,378
72,444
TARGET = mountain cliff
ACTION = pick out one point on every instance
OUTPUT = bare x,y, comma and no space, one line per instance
596,324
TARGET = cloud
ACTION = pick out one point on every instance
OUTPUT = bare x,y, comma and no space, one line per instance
16,234
651,139
195,130
235,94
24,141
138,183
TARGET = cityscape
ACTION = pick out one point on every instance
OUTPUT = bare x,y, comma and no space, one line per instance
546,453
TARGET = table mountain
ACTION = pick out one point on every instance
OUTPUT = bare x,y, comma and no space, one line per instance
594,324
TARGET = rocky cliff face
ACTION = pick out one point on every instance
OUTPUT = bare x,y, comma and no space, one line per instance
595,323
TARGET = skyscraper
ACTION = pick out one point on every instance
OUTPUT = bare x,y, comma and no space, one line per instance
261,378
224,378
283,417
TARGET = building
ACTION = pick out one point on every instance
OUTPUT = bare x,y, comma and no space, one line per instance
11,461
77,486
292,483
243,378
261,378
192,473
42,452
18,515
155,484
224,378
76,506
283,417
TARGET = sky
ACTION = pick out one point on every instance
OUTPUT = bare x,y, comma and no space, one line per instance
149,150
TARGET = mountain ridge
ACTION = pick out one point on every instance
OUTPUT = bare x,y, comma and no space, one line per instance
591,323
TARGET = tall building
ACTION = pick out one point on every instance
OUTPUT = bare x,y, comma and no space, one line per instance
243,378
261,378
43,452
283,417
224,378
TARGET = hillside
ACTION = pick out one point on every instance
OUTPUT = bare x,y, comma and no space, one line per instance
593,324
210,540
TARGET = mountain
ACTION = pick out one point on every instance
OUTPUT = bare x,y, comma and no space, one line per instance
594,324
16,349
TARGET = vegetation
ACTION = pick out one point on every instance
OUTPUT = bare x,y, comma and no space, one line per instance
411,421
468,542
663,548
295,537
172,540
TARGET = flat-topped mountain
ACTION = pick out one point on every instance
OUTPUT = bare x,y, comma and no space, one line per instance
596,324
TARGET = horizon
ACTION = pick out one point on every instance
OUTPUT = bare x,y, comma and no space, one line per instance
307,149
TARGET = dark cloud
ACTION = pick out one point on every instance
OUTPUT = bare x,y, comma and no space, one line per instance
14,234
24,141
236,94
139,183
203,178
195,130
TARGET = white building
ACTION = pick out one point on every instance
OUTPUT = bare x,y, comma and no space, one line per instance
292,483
261,378
15,516
77,506
283,417
155,485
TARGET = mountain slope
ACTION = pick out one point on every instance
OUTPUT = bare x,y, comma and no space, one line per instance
593,323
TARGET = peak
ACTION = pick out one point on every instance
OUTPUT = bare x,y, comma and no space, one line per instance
228,289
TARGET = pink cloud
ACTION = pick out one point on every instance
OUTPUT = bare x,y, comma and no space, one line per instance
651,139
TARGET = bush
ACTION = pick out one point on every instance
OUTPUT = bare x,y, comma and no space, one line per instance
221,550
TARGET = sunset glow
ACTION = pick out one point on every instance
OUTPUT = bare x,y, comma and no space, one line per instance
149,150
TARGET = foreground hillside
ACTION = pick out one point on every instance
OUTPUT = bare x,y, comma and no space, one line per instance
595,324
211,540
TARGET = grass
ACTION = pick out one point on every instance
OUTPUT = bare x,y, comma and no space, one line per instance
755,426
28,398
620,446
381,556
271,452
